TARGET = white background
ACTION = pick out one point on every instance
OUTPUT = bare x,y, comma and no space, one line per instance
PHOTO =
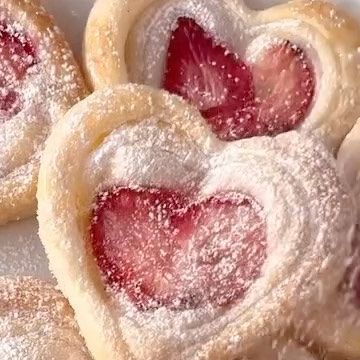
20,249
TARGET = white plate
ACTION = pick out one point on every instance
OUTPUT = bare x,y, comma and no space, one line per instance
21,252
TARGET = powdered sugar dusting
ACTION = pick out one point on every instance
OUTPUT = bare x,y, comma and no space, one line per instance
239,99
294,95
307,213
23,253
40,81
133,137
17,58
36,322
166,250
158,22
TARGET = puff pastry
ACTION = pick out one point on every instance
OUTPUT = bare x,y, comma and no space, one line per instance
147,167
336,326
36,322
349,160
39,82
344,310
293,66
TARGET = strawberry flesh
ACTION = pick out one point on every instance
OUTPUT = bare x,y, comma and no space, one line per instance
17,55
163,249
239,99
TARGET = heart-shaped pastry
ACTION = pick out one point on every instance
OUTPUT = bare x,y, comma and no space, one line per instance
170,243
39,82
293,66
36,322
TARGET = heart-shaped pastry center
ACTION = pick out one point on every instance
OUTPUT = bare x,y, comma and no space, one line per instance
165,249
239,99
17,55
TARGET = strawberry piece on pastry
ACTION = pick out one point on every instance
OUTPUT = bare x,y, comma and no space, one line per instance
239,100
39,81
151,242
17,56
249,72
181,245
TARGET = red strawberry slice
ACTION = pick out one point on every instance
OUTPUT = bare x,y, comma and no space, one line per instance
285,87
163,249
17,55
239,100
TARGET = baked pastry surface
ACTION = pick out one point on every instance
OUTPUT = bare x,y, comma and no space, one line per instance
40,81
306,51
136,145
36,322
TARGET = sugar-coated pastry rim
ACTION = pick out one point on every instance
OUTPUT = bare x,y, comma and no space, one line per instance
36,319
18,187
335,39
65,205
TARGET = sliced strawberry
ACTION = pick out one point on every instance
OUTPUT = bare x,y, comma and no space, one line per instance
239,100
17,55
16,49
165,250
285,86
8,101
